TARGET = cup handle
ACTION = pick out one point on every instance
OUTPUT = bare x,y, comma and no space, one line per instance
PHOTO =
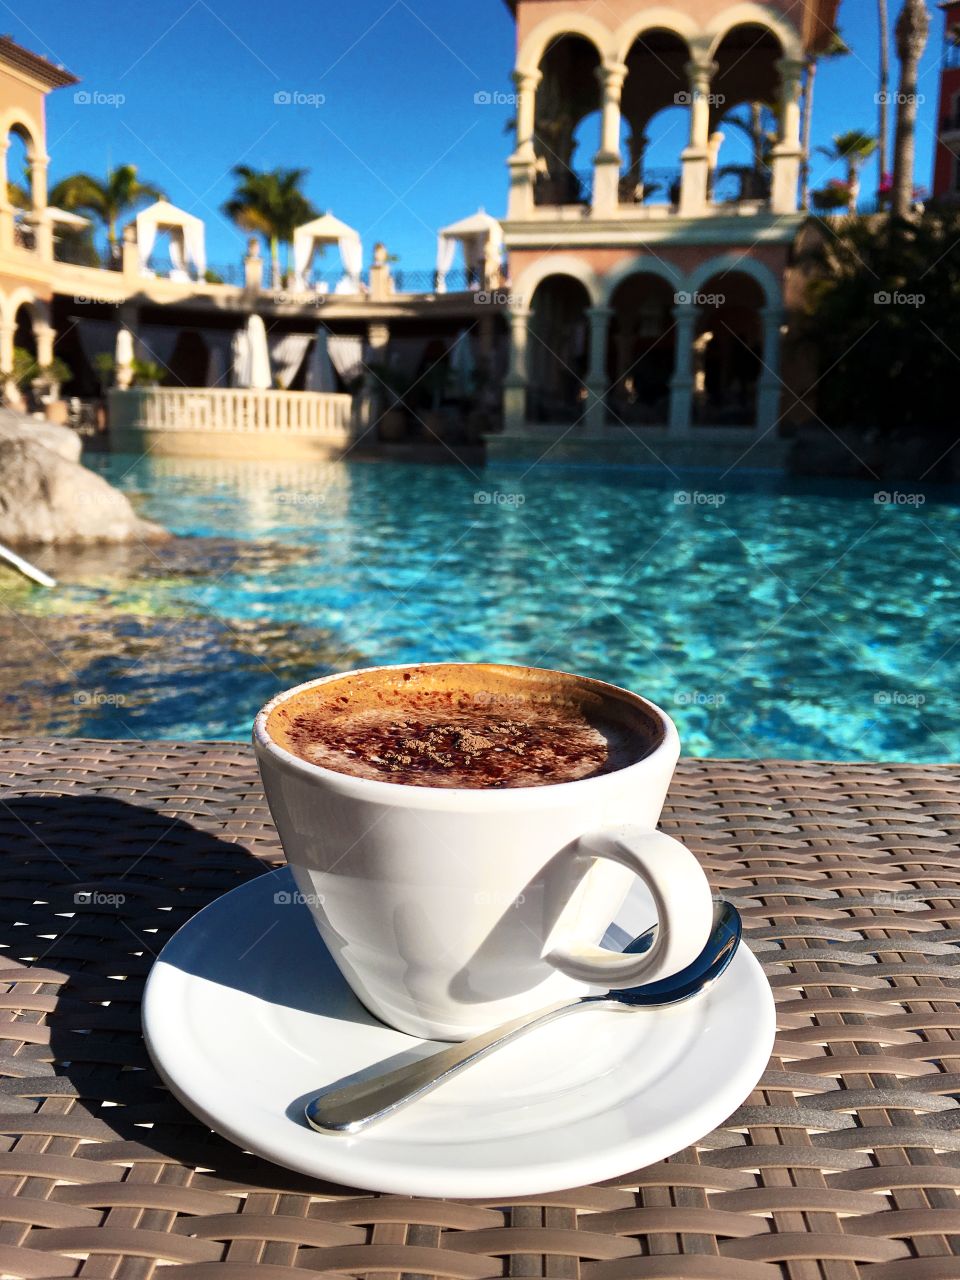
684,910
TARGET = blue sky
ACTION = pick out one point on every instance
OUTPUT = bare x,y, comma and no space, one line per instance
396,144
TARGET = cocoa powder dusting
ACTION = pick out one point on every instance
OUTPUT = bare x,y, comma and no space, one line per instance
432,740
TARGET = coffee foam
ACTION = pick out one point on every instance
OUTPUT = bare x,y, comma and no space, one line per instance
560,721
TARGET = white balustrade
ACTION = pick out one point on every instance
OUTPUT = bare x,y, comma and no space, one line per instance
219,409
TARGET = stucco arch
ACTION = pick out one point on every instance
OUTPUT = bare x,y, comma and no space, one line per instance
760,15
31,130
530,53
646,266
659,19
560,264
24,297
736,262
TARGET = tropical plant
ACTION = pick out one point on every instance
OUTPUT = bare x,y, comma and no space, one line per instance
835,47
107,199
25,367
913,26
146,373
834,195
851,149
874,304
143,373
270,203
20,194
105,367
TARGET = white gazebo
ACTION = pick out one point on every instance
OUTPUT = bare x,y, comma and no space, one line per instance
481,237
187,239
317,234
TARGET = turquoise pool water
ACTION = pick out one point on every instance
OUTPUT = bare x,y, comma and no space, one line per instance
769,619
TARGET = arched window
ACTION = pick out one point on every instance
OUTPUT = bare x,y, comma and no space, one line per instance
568,93
557,350
727,350
655,114
744,123
640,355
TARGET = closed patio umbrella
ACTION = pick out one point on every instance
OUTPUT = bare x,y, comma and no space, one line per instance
260,375
251,358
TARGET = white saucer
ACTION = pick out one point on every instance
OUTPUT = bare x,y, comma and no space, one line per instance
246,1016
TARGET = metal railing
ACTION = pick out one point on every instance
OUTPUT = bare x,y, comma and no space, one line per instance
653,186
732,184
569,186
24,236
230,274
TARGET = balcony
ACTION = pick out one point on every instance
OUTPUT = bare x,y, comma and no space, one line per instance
566,187
660,186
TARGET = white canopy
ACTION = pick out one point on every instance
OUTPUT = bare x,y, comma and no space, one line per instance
187,242
323,231
66,218
481,237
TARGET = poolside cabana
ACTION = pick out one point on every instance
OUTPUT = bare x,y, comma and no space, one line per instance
187,240
316,235
481,238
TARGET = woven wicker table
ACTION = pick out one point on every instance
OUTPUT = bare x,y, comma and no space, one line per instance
844,1163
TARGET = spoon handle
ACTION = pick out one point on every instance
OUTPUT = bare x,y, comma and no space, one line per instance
353,1107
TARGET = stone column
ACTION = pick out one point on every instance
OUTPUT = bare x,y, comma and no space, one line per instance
681,383
44,335
130,251
6,208
695,157
381,281
515,383
788,152
42,226
253,267
607,161
522,163
770,387
599,320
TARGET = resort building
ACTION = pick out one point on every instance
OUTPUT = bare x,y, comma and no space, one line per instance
650,275
946,160
295,367
633,301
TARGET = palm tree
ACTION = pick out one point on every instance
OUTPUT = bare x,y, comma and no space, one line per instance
108,200
852,150
836,47
913,26
883,128
270,203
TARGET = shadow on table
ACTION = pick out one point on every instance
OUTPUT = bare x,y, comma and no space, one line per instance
91,888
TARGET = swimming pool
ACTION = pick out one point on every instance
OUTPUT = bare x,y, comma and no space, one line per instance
769,618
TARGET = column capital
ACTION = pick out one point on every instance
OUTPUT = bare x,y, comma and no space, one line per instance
598,313
519,314
701,72
611,74
526,81
685,306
